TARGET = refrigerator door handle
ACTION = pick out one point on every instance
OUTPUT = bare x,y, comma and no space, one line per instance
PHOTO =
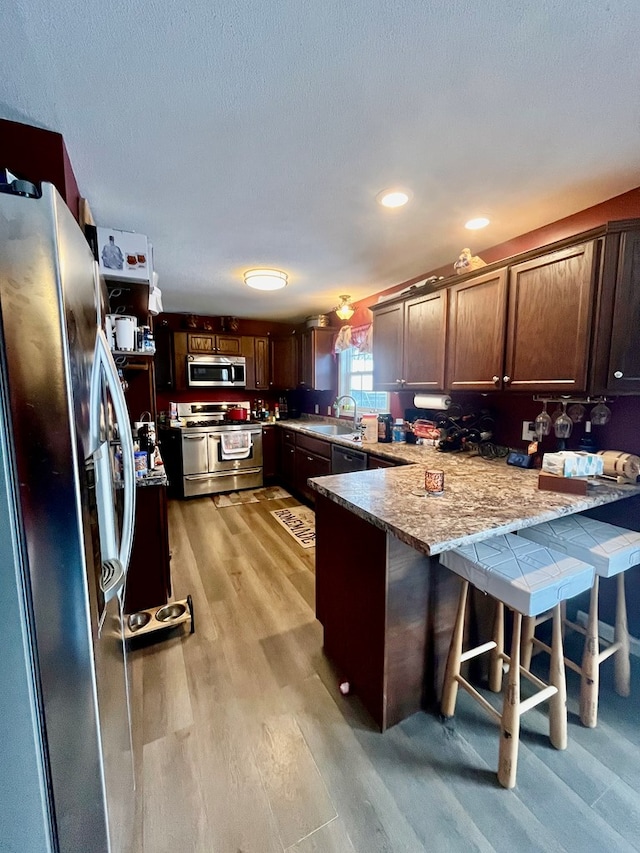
104,366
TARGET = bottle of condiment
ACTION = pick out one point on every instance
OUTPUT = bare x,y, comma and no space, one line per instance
399,433
385,426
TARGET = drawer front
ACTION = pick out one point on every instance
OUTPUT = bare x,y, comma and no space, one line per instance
314,445
195,458
288,436
379,462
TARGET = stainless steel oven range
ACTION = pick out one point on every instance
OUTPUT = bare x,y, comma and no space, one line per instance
221,448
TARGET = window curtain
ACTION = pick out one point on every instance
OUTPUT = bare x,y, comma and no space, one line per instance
359,337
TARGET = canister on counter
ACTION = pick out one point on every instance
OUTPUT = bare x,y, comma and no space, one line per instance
370,424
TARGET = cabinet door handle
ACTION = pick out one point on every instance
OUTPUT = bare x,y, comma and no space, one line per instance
506,379
398,381
309,459
618,374
194,437
496,380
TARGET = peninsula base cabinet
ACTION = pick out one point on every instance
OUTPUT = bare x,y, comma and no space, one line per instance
372,598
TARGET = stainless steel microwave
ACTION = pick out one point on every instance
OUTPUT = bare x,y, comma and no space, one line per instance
216,371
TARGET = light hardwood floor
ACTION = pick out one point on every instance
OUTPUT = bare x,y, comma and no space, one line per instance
244,742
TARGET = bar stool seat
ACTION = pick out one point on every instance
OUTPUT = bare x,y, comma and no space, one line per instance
611,550
529,580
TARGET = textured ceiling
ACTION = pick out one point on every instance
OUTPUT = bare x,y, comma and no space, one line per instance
243,133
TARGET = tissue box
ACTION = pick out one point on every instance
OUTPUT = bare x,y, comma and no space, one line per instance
569,463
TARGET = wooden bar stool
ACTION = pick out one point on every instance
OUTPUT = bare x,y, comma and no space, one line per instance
611,550
529,581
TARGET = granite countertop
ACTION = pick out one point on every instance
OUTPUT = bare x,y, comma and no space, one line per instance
482,497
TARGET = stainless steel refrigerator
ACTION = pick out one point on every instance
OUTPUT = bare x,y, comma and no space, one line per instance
66,526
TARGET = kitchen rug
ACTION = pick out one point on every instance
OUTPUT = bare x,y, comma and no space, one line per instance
250,496
299,522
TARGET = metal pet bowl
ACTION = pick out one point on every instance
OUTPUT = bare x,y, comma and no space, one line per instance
171,611
138,620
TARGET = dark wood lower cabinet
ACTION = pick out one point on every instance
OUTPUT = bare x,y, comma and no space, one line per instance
309,465
149,575
269,454
372,598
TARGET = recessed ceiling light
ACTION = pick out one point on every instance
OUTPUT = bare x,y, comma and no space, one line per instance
393,198
478,222
263,279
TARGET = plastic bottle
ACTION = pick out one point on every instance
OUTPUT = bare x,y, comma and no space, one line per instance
399,433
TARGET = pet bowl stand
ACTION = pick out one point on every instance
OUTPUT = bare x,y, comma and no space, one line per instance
159,618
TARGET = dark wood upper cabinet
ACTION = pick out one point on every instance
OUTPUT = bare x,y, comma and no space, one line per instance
388,340
409,343
284,362
549,321
475,347
256,352
317,362
425,326
616,362
221,344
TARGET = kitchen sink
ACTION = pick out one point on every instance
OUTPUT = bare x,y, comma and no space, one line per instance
330,429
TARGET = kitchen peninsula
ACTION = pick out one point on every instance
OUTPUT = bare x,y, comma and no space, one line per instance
385,602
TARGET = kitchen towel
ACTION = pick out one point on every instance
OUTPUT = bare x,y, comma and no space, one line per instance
235,445
432,401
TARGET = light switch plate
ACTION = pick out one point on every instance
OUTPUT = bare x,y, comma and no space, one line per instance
528,431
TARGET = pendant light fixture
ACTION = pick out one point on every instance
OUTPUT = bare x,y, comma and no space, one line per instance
263,279
345,309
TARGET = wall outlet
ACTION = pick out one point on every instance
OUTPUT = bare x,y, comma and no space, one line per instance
329,411
528,431
316,408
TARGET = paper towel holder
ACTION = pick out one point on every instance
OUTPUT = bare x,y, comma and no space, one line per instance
438,402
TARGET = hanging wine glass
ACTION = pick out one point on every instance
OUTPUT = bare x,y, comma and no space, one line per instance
543,422
576,412
563,425
600,414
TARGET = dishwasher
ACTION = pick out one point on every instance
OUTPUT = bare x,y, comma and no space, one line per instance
344,460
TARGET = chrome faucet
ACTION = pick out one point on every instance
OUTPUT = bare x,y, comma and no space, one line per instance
336,406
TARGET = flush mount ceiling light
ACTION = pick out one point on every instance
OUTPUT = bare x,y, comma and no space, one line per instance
477,223
393,198
345,309
263,279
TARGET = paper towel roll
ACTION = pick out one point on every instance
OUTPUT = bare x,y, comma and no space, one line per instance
620,464
431,401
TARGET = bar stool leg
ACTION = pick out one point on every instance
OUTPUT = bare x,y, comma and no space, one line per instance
495,667
622,667
510,722
590,664
528,633
450,688
557,677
